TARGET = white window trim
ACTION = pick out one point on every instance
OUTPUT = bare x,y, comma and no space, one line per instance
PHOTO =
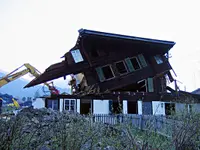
77,56
137,62
124,65
70,104
111,71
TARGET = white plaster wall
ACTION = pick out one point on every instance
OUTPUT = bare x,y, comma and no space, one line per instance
78,105
139,107
158,108
101,106
38,103
125,107
61,105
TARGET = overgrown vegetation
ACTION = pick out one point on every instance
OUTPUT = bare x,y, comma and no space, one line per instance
39,129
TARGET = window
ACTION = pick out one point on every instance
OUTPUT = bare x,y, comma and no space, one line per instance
107,71
188,108
132,64
141,86
53,104
70,105
158,59
142,60
121,68
77,55
135,63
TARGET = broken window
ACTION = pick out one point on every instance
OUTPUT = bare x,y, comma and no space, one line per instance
141,86
70,105
142,60
105,73
135,63
121,68
132,63
77,55
158,59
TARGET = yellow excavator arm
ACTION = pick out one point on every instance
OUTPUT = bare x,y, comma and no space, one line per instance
11,77
29,69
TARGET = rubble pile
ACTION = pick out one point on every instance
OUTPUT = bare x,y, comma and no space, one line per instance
48,129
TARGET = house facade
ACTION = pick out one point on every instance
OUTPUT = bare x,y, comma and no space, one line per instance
113,74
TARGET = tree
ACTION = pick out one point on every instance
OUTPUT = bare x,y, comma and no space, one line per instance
24,99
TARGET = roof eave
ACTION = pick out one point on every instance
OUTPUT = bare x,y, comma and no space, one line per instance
90,32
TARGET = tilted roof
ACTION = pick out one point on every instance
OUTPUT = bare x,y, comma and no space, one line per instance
63,68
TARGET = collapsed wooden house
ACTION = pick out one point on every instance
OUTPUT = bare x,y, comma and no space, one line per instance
117,69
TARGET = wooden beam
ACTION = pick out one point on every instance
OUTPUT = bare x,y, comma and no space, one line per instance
133,96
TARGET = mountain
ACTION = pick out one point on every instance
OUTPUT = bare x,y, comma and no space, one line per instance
6,98
16,89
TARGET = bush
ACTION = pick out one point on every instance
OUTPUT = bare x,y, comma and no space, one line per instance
40,129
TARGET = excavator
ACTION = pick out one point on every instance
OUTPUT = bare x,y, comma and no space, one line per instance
17,74
29,69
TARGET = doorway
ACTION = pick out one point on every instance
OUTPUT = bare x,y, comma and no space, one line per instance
86,106
169,108
115,107
132,107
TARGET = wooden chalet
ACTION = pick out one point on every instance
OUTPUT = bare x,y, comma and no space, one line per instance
116,67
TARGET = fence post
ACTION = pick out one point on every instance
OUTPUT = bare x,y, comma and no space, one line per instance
140,122
118,118
93,118
155,124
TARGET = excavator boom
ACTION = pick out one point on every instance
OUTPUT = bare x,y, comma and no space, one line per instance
5,80
30,69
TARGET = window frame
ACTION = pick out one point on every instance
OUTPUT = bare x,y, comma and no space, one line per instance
127,71
158,59
77,53
111,71
70,104
144,84
52,103
137,62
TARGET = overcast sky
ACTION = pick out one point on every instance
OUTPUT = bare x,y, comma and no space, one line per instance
39,32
